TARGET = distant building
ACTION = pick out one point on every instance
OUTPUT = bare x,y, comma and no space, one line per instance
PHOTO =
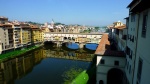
17,35
37,34
118,34
25,34
3,20
1,40
6,35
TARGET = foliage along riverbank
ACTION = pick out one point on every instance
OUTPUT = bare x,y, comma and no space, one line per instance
16,53
87,76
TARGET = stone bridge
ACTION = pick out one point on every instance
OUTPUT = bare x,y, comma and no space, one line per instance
73,37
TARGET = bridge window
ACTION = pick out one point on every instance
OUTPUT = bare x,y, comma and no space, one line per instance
65,38
69,38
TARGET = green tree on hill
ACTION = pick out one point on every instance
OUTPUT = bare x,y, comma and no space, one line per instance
97,28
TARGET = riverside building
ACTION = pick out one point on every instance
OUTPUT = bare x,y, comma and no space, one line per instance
133,41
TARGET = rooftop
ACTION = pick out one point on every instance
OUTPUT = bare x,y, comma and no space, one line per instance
1,25
2,17
138,5
104,48
34,26
121,27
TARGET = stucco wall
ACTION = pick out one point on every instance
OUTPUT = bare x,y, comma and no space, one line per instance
102,69
143,52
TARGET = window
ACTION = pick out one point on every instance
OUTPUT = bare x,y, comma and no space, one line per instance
127,50
132,38
144,26
131,52
130,69
132,17
116,63
139,72
2,46
127,65
102,61
128,36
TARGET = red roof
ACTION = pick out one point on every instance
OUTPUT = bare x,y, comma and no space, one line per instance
104,49
121,27
1,25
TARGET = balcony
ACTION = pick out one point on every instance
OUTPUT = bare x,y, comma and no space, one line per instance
16,40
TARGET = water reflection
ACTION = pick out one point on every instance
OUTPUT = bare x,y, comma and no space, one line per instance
17,68
42,66
73,45
64,52
91,46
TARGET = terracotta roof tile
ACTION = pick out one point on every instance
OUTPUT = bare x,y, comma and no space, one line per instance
25,26
1,25
34,27
121,27
7,25
105,50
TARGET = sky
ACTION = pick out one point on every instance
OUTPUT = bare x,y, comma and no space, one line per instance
82,12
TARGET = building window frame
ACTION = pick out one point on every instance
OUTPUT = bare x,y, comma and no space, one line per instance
139,69
127,65
132,17
144,24
129,69
102,61
116,63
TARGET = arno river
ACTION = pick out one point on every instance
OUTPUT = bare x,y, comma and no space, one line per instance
47,65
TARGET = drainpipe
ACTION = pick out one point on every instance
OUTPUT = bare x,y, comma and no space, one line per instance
136,45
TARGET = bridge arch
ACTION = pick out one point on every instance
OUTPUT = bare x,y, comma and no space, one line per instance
73,38
114,76
65,38
69,38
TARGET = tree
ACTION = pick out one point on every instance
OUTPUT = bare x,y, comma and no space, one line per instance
71,74
34,23
96,28
58,23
